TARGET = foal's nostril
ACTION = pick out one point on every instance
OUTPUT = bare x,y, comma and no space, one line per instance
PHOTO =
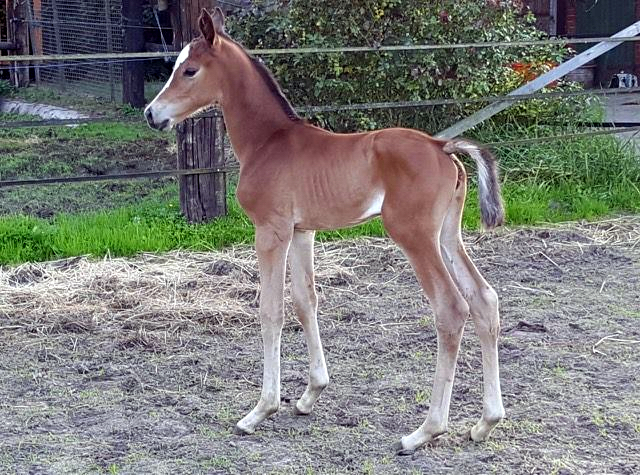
149,116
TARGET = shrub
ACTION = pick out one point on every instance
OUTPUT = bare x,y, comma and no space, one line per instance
341,78
5,88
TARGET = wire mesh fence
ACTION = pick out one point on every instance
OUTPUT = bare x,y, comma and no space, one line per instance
79,26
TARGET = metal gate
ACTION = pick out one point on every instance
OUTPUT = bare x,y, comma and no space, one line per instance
78,26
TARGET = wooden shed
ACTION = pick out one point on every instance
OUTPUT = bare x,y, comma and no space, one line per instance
589,18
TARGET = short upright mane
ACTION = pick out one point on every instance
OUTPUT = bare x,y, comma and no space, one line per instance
275,89
271,83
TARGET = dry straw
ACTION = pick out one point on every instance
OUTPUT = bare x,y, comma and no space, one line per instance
220,289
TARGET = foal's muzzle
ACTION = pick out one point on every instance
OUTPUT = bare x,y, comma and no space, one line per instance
148,114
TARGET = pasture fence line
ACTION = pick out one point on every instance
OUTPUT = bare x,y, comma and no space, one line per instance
189,170
236,167
118,176
319,50
557,72
362,106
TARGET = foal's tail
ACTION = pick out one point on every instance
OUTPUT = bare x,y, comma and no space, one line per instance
491,207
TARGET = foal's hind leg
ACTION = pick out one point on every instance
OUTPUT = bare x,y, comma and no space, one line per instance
483,305
419,241
305,302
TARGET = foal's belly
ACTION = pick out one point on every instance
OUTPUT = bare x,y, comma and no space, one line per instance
334,213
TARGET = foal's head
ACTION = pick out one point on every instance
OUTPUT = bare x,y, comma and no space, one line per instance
194,82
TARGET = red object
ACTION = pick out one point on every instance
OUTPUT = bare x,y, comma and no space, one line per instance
530,71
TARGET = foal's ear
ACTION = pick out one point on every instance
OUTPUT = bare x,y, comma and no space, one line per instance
211,25
218,20
206,25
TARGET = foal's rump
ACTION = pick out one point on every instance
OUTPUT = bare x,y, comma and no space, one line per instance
414,162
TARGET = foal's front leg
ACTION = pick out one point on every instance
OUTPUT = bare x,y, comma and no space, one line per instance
272,245
305,302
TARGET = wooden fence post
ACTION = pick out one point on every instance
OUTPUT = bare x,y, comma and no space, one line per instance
19,36
200,141
133,71
201,145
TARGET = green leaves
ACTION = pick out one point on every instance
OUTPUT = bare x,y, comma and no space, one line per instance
325,79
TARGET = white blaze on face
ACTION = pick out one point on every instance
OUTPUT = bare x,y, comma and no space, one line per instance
162,110
182,57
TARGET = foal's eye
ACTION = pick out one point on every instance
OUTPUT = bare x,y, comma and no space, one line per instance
190,72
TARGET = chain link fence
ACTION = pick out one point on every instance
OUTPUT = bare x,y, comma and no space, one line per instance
79,26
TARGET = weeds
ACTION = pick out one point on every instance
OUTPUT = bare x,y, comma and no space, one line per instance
368,467
423,396
218,462
559,371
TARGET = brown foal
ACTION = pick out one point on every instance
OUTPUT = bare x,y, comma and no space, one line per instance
296,178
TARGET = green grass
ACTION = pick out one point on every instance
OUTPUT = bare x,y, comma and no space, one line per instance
129,230
157,227
125,131
121,232
542,183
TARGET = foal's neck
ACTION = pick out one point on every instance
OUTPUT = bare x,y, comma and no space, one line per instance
252,112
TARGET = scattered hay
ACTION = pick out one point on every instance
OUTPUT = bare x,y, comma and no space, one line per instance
161,290
140,340
220,289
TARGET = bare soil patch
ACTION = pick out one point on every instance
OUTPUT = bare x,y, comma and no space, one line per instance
144,365
44,156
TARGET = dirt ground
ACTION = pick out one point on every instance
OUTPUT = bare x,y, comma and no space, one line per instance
144,365
45,155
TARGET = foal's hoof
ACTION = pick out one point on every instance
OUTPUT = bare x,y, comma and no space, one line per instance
299,412
237,430
400,450
479,435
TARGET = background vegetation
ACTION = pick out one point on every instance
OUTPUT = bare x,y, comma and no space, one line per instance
342,78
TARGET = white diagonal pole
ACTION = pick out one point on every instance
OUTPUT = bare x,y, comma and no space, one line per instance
539,82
